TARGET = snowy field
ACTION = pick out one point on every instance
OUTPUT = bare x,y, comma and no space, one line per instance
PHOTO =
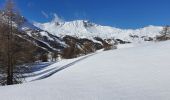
135,73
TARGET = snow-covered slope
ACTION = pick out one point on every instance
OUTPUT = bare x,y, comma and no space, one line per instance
137,73
33,34
86,29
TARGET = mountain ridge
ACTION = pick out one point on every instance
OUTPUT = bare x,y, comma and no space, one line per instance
79,37
87,29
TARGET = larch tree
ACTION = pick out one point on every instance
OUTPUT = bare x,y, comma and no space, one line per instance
15,51
9,11
166,30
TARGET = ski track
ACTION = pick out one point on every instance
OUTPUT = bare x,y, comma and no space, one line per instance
41,73
51,71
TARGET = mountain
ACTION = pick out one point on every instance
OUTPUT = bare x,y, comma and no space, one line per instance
79,37
37,36
86,29
67,46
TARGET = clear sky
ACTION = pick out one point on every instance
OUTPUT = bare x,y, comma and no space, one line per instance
117,13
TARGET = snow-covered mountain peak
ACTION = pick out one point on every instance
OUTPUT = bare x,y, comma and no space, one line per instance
57,19
87,29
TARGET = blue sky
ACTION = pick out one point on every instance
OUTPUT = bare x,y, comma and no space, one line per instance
117,13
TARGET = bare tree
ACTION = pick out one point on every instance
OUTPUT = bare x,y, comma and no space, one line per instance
166,30
9,11
165,34
15,51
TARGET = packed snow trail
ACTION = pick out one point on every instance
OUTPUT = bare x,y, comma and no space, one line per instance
59,68
54,68
136,73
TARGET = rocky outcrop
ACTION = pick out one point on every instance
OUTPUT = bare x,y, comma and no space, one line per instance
78,46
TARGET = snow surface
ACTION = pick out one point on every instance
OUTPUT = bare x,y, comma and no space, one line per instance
86,29
136,73
47,71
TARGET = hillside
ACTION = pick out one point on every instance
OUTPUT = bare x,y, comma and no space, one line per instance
136,73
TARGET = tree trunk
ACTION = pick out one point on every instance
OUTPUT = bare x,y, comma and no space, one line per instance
10,65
